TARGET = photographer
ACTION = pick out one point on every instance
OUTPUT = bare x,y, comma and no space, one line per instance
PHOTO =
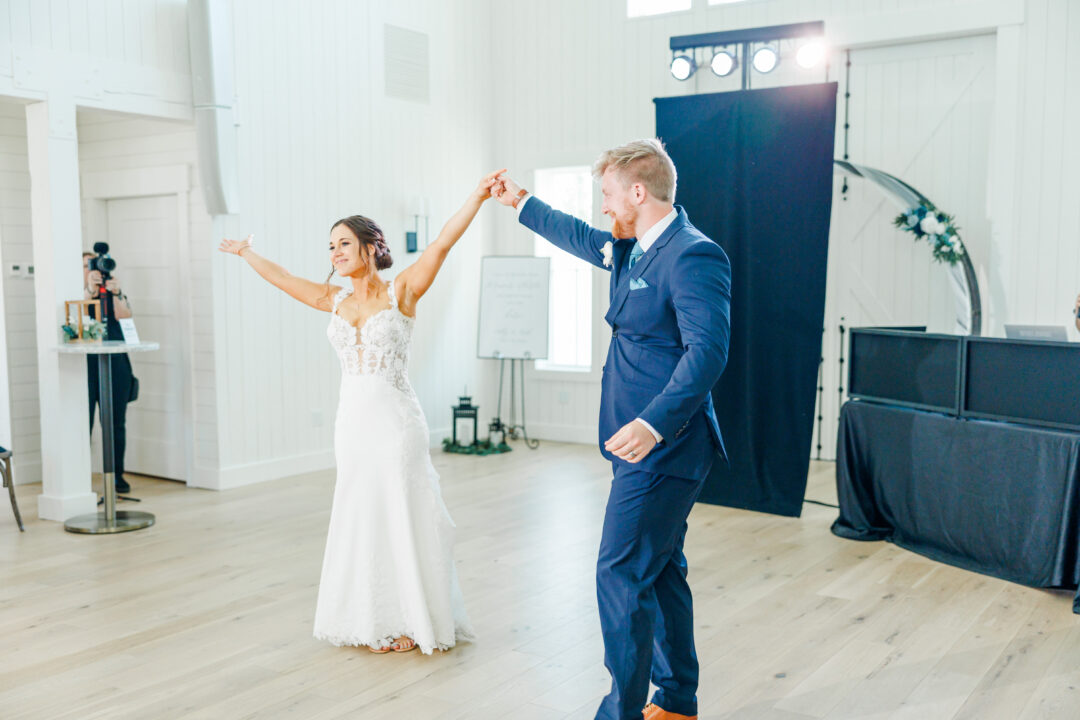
101,284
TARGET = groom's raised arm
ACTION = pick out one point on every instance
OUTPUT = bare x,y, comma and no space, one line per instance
564,231
560,229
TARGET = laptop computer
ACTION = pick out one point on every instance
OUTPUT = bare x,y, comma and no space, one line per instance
1055,333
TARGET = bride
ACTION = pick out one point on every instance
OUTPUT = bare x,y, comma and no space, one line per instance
388,578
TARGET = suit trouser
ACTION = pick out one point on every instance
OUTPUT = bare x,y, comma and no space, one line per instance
646,611
121,391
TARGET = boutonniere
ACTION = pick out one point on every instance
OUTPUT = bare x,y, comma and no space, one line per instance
606,250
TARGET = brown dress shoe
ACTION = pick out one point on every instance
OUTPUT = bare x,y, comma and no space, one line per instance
655,712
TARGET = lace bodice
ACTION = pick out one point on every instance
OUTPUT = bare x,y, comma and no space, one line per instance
380,347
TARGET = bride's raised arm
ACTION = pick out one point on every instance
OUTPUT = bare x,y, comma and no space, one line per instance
417,278
317,295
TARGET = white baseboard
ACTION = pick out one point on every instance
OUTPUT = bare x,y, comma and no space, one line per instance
62,508
276,468
436,435
579,434
251,473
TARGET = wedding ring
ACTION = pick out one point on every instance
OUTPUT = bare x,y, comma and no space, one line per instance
632,453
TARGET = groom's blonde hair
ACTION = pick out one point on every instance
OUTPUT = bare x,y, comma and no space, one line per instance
644,161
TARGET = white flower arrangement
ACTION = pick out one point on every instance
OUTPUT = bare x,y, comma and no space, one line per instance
606,251
928,223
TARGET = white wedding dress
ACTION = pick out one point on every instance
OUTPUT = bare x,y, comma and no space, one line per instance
389,569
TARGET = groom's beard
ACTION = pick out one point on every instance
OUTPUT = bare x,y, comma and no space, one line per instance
623,230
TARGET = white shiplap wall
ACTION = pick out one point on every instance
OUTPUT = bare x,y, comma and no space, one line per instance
320,140
125,55
574,88
106,142
24,433
112,142
135,32
1038,240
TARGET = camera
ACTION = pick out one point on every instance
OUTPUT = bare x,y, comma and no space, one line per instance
103,262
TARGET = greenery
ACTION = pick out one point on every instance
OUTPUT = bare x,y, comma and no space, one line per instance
93,330
483,447
928,223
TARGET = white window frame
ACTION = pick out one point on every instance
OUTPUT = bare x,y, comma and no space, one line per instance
549,366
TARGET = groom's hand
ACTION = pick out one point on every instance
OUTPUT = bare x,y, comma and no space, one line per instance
505,190
632,443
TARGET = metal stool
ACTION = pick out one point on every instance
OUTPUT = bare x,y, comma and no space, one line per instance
5,469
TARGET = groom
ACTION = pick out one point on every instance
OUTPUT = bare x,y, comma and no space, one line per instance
670,298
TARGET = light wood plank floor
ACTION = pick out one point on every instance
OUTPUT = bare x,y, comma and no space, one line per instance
208,614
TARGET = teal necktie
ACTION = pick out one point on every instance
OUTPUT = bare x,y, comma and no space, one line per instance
635,254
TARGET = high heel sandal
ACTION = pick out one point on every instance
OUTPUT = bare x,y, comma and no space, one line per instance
408,643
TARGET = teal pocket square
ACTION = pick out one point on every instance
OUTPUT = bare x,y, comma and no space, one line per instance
638,284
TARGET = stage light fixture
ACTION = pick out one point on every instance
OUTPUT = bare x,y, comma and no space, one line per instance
682,67
731,50
810,55
766,58
723,63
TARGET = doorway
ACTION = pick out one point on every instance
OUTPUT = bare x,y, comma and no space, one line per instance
142,215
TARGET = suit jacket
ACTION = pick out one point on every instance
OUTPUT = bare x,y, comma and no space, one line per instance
669,339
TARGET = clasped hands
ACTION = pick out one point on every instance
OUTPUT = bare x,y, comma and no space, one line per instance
504,189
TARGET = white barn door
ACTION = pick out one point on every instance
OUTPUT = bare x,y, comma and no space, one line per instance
142,237
922,112
142,233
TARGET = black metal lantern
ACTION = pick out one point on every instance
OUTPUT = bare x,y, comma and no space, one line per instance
465,410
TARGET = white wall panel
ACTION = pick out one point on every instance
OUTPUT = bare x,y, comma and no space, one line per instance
112,142
319,140
15,247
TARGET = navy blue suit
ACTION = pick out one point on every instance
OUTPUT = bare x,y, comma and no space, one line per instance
669,345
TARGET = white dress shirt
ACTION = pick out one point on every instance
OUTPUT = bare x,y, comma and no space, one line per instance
652,234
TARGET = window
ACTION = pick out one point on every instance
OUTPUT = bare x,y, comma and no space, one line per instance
641,8
570,309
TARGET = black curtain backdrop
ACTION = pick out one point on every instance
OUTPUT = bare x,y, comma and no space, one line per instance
755,175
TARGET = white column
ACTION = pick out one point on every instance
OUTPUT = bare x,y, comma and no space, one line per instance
56,225
6,430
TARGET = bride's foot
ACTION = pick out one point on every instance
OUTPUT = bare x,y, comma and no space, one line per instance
403,644
400,645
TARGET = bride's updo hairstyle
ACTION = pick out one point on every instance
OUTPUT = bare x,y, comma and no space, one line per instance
368,233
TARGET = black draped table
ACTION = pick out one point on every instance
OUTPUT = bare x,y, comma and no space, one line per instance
992,497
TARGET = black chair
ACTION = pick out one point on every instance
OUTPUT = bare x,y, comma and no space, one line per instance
5,471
